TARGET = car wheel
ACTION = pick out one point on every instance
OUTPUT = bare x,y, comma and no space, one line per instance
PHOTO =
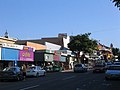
37,75
75,71
18,78
21,78
44,74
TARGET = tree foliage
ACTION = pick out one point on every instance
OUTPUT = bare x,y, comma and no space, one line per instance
82,43
117,3
115,51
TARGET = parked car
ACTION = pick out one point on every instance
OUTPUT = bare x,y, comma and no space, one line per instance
113,72
11,73
116,63
49,68
108,64
35,71
56,68
80,68
99,68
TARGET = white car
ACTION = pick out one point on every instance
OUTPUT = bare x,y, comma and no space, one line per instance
113,72
80,68
35,71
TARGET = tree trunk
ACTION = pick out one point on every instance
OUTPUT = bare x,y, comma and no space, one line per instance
78,57
82,58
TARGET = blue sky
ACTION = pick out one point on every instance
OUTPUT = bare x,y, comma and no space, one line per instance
34,19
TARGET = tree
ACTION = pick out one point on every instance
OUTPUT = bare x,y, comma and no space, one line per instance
115,51
82,43
117,3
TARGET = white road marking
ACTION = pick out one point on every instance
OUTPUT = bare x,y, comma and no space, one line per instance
106,84
68,78
77,88
29,87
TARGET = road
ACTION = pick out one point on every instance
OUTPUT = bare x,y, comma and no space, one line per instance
64,81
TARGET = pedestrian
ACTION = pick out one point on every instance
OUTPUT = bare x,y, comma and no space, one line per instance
24,71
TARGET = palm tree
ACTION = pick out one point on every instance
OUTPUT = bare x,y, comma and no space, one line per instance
117,3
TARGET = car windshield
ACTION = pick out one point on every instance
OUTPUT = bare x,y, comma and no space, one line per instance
114,68
9,69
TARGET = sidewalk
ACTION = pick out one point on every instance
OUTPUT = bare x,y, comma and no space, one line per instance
69,70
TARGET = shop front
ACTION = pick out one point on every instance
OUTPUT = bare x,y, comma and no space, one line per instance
26,56
9,57
44,59
57,64
63,62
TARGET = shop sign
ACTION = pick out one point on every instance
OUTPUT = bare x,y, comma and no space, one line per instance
15,46
28,49
26,55
48,57
56,57
57,52
63,59
9,54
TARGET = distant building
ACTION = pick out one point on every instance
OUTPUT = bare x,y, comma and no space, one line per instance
7,40
105,52
63,39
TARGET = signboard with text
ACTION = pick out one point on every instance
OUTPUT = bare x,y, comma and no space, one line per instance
56,57
26,55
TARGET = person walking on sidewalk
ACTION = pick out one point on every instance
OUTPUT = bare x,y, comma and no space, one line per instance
24,71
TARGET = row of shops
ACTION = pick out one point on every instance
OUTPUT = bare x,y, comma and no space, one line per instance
16,55
12,55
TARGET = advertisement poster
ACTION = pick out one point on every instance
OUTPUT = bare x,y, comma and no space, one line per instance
26,55
56,58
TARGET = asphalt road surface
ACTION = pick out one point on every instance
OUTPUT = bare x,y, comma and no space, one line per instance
63,81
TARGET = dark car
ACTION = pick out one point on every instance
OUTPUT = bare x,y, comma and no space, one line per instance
11,73
113,72
99,68
116,63
56,68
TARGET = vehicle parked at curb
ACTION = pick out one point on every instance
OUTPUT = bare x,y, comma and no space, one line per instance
80,68
108,64
11,73
99,68
56,68
35,71
113,72
116,63
49,68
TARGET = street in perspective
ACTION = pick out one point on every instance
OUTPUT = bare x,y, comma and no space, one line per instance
66,80
59,45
